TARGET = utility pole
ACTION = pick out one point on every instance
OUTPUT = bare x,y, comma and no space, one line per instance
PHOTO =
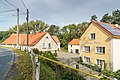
27,28
17,28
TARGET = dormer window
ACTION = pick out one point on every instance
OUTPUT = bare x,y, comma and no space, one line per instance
92,36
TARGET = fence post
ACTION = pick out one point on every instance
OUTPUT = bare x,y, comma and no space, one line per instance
57,72
37,67
33,64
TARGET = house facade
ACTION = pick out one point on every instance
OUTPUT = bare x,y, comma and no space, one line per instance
42,41
74,46
57,41
100,45
46,43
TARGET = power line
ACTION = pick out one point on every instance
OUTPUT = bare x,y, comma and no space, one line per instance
23,4
8,11
11,4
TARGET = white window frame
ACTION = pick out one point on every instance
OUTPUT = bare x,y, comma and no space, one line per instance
100,50
86,48
86,59
92,36
43,45
99,62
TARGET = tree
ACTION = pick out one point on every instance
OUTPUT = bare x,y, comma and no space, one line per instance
93,18
54,30
116,17
106,18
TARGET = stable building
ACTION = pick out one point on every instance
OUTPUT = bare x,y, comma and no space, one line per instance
74,46
100,44
42,41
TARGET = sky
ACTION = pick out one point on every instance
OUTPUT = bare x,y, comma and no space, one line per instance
58,12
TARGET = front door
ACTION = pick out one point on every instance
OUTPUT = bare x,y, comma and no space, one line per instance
76,51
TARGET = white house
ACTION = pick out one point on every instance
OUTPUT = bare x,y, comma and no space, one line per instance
57,41
74,46
42,41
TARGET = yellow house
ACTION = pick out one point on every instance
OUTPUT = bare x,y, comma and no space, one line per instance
100,44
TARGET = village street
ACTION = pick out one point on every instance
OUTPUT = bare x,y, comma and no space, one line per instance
6,60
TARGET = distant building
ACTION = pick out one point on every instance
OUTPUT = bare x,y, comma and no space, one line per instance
42,41
74,46
100,44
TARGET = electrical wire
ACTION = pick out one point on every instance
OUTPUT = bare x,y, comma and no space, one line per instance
23,4
7,11
11,4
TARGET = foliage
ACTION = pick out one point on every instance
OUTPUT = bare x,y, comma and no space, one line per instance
48,69
93,67
106,18
54,30
70,32
81,60
24,66
46,72
93,18
4,35
117,75
113,18
68,74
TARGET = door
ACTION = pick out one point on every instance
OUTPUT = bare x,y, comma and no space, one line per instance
76,51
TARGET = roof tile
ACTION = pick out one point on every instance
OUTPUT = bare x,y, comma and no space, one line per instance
74,42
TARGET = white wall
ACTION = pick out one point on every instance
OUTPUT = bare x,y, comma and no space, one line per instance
115,54
46,41
58,46
73,48
13,46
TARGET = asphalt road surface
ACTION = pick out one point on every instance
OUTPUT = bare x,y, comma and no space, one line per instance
6,60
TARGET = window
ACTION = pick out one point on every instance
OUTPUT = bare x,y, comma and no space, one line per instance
87,59
87,48
100,62
43,45
100,49
49,45
46,37
71,45
92,36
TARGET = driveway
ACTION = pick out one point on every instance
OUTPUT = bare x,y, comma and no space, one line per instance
68,55
71,59
6,60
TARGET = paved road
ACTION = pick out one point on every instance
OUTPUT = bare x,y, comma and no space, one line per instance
6,60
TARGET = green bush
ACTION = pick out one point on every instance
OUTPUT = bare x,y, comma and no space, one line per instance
95,67
81,60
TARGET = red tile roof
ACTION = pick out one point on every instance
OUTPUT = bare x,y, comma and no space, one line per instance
33,38
56,39
36,38
10,40
74,42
